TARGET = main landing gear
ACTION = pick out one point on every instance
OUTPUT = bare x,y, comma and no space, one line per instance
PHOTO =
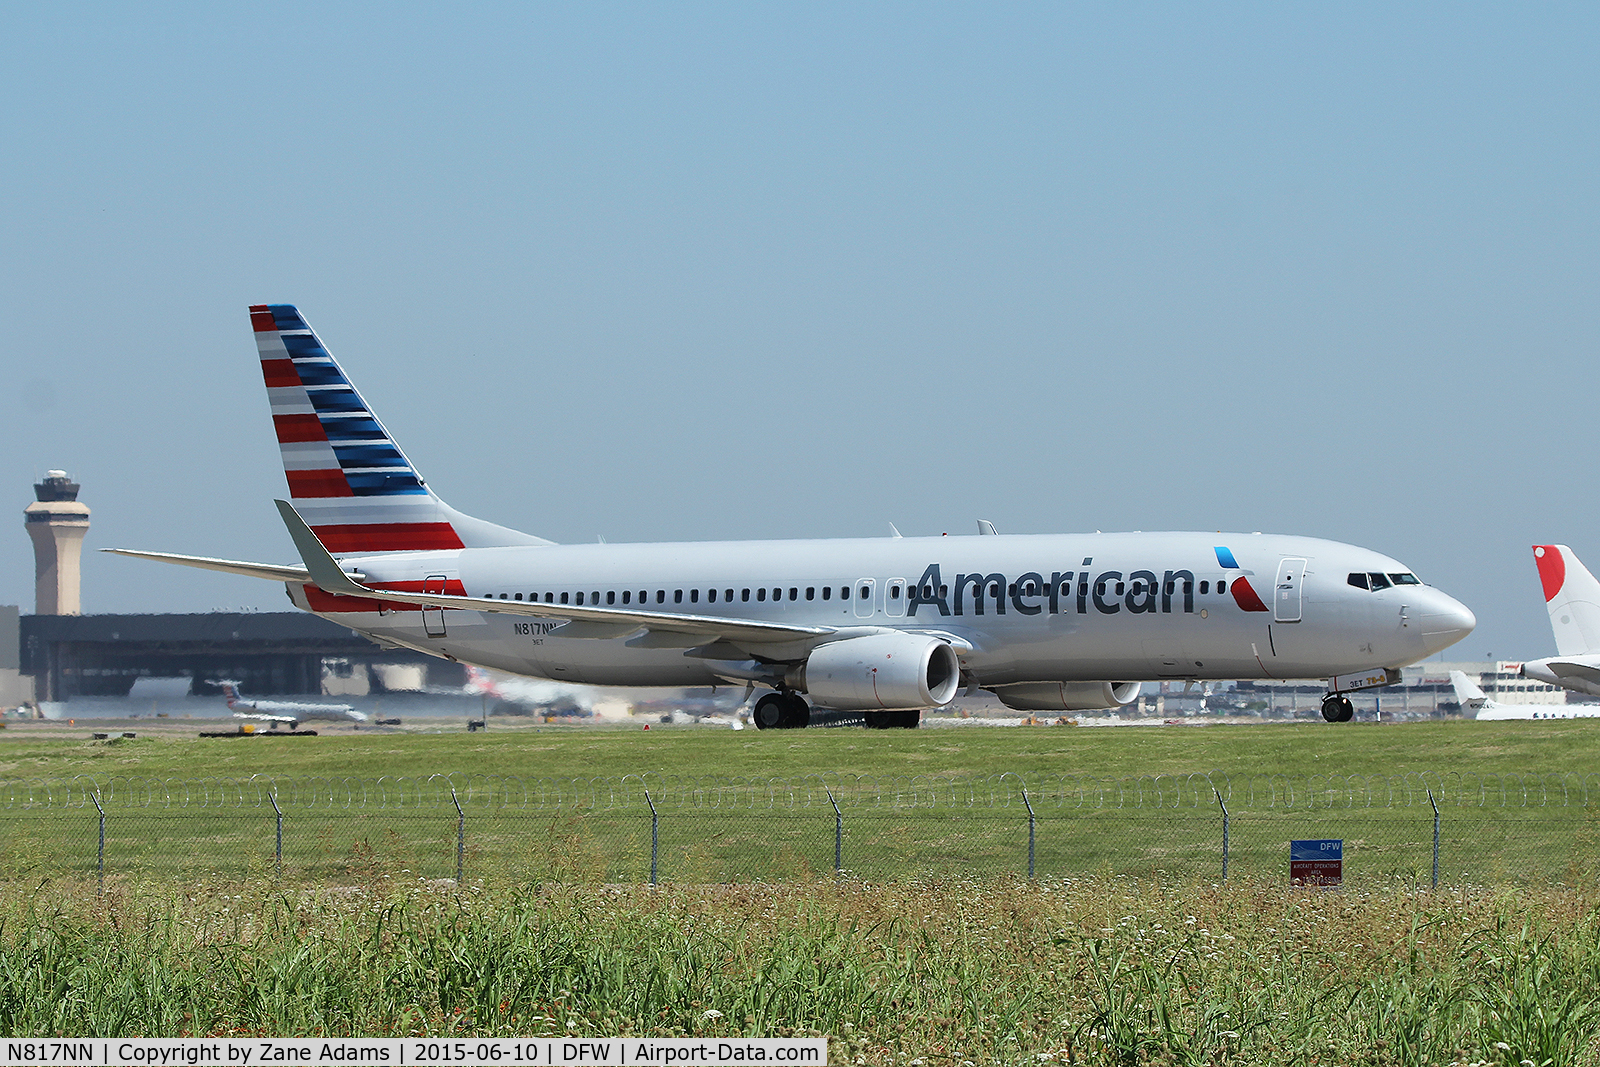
781,711
1336,707
893,720
786,710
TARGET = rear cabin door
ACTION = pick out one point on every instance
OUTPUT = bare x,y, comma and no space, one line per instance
433,618
1286,599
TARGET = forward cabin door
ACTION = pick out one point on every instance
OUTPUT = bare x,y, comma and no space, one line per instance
1286,598
433,618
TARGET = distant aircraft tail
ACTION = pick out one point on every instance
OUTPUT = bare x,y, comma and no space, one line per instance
231,691
1573,597
1468,695
347,477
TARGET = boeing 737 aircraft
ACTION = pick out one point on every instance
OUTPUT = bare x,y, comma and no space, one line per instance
886,626
1573,598
1473,699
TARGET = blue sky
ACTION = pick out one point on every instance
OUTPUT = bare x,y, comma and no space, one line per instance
695,272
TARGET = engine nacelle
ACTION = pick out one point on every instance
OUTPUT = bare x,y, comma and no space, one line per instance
1067,696
880,672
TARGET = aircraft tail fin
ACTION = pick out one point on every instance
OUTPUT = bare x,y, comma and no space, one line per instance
231,691
1573,597
1468,694
347,476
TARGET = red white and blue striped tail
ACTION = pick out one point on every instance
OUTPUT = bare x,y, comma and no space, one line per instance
347,477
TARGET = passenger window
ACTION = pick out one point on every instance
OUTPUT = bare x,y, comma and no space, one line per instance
677,596
505,596
1099,588
1378,581
661,596
594,597
580,598
517,597
549,598
761,594
644,596
1188,585
944,590
1119,588
1205,587
1222,587
1358,579
727,594
866,591
844,592
894,592
564,598
744,594
811,592
794,593
694,596
777,594
827,592
711,596
611,596
626,594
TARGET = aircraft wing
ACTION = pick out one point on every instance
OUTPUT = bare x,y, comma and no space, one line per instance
273,571
322,569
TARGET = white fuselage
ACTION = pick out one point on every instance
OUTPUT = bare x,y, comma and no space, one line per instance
1078,607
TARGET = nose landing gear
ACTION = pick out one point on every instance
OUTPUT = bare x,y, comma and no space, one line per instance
1336,707
781,711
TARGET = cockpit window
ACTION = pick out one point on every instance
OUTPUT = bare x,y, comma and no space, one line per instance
1405,579
1358,579
1378,581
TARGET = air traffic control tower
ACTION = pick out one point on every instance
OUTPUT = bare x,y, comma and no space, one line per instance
57,523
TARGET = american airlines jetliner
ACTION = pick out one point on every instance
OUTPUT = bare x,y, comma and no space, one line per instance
884,626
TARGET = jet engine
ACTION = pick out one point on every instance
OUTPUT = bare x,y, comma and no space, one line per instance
1067,696
879,672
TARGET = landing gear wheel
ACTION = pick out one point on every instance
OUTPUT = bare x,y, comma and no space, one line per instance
768,713
781,711
1336,707
796,712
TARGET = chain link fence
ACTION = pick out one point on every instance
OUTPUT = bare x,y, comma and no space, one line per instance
1414,829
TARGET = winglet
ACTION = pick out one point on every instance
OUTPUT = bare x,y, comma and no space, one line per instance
323,568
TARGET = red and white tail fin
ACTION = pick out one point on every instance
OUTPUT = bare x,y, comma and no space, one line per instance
1573,596
347,477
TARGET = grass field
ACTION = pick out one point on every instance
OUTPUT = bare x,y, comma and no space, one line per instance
1106,959
1090,971
344,820
1294,749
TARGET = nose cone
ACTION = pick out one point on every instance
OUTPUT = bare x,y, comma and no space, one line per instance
1444,621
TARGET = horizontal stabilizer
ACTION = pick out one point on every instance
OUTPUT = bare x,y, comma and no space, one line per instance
275,572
